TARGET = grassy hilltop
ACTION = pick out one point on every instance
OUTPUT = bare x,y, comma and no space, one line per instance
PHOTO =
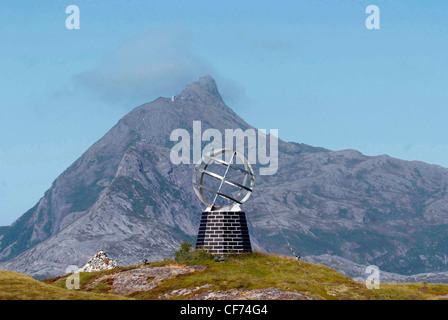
17,286
195,275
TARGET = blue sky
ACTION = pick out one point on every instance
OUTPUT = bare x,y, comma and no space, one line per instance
309,68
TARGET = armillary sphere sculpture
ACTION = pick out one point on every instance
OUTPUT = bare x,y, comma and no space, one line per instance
242,188
223,186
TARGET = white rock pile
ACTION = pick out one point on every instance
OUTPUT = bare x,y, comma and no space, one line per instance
100,262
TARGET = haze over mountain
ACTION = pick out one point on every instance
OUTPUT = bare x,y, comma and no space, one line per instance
125,196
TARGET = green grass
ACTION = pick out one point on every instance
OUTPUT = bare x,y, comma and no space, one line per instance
17,286
247,271
256,271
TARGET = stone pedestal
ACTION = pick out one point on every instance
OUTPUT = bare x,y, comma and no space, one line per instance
222,232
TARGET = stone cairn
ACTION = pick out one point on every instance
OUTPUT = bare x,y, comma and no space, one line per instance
100,262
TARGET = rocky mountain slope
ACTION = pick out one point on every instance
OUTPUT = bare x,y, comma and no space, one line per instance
125,196
358,272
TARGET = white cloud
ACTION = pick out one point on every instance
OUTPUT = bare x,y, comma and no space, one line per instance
155,64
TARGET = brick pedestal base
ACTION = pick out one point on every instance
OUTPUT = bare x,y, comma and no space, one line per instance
223,232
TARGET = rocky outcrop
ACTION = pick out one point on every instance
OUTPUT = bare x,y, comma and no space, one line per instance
142,279
100,262
147,278
251,294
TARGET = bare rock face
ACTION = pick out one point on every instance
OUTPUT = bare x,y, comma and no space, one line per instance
125,195
143,279
251,294
100,262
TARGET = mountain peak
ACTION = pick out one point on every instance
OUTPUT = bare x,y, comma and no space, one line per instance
208,83
204,87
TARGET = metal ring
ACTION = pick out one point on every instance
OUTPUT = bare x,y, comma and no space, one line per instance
210,158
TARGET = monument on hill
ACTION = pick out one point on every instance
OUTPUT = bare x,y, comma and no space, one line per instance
223,186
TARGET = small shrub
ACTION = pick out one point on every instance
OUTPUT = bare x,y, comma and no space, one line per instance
185,253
